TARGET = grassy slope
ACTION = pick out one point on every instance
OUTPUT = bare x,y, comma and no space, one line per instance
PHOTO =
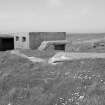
36,53
78,82
85,36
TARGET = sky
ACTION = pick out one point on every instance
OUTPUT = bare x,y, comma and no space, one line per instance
77,16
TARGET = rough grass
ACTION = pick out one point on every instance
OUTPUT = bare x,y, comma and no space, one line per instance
78,82
36,53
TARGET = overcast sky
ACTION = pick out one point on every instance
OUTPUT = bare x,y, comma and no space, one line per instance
52,15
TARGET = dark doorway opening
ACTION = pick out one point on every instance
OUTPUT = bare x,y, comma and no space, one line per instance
59,47
6,43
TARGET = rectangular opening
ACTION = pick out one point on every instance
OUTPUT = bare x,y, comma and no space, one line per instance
17,38
23,39
59,47
6,44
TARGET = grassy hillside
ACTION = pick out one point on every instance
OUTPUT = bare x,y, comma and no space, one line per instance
79,82
86,36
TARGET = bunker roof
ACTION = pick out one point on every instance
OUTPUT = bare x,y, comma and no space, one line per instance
6,36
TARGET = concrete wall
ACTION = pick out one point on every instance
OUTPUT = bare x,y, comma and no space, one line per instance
47,36
35,38
20,43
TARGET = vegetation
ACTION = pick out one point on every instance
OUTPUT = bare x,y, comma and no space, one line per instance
78,82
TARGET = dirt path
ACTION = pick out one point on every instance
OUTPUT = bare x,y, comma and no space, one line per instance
32,59
61,56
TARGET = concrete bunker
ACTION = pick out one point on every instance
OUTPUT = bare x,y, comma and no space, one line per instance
58,45
6,43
